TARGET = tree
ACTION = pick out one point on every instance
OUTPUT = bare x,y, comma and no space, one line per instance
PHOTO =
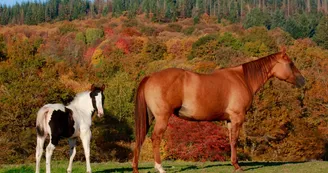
257,18
321,37
278,19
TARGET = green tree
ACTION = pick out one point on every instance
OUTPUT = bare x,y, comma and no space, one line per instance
321,36
278,19
257,18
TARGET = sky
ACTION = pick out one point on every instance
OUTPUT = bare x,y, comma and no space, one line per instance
13,2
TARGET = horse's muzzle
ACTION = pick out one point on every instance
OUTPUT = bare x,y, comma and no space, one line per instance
100,113
300,81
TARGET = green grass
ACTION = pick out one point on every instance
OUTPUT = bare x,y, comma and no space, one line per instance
179,166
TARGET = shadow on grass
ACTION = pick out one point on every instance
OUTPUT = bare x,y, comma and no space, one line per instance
257,165
249,165
121,169
25,169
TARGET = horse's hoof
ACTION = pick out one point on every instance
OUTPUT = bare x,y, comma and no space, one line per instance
238,170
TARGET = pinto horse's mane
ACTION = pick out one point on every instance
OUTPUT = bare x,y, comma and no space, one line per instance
78,96
258,70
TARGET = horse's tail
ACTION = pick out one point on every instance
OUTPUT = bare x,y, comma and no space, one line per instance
142,122
41,121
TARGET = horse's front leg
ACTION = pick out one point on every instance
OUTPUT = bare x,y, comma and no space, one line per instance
72,152
86,137
234,127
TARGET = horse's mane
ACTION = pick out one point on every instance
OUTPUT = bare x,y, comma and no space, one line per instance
258,70
78,96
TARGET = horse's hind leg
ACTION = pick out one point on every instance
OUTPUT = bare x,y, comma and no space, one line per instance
39,150
159,129
72,152
49,150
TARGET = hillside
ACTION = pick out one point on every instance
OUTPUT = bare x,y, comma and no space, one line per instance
49,63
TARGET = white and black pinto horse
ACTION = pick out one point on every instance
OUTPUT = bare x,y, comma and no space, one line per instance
59,121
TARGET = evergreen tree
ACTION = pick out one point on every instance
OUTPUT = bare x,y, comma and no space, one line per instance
257,18
321,36
278,19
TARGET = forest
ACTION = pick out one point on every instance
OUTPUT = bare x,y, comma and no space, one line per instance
49,51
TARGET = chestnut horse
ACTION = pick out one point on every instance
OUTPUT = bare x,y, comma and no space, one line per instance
226,94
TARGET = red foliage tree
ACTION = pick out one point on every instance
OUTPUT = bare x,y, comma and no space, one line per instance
88,54
108,32
129,32
196,141
123,44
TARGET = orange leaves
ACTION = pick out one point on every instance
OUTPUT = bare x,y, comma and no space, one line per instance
88,54
108,32
123,44
129,32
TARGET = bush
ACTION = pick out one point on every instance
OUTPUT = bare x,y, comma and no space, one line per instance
130,23
66,28
196,141
204,47
154,50
189,30
93,34
119,97
80,37
148,31
228,40
258,42
174,27
130,32
123,45
3,55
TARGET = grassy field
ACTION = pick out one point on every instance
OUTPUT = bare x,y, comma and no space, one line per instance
217,167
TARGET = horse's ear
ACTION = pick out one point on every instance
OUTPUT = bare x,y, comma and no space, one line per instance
103,87
92,87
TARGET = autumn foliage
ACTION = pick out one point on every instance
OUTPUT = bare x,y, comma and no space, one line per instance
49,63
196,141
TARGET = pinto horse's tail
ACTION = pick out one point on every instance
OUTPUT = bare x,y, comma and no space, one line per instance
41,121
142,122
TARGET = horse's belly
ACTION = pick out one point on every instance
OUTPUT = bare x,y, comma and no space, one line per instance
197,114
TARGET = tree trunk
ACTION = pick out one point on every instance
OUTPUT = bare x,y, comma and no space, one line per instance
260,3
210,7
288,2
318,5
325,5
218,7
308,6
214,8
241,7
263,5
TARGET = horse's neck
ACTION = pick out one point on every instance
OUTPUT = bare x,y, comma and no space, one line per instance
258,72
82,107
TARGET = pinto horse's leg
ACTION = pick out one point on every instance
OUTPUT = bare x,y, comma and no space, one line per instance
159,129
39,150
86,137
234,127
49,150
72,152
